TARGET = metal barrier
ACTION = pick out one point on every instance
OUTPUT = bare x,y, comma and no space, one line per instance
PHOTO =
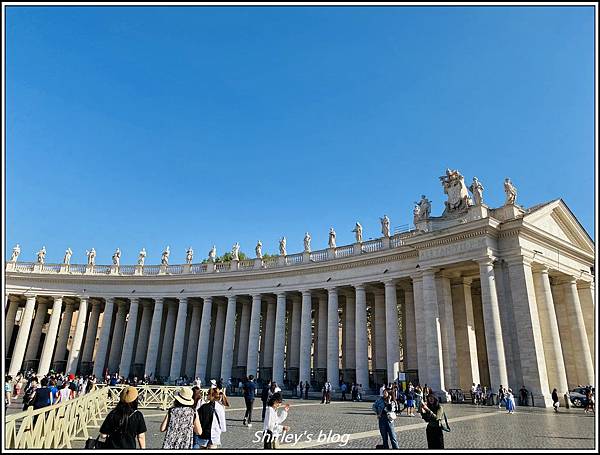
149,396
54,427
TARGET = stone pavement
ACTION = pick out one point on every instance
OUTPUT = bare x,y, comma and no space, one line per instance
355,426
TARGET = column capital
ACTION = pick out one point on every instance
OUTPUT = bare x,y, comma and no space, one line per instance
207,298
231,298
416,276
538,267
585,284
281,294
430,272
359,286
13,298
521,259
306,292
467,281
29,295
332,290
566,280
486,261
256,296
56,297
389,282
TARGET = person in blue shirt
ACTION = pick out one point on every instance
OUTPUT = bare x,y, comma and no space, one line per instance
249,392
385,408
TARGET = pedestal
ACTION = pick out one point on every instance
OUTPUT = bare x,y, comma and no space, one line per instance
11,266
357,249
37,268
114,269
330,253
258,263
210,267
162,270
64,268
385,242
281,261
477,212
507,212
305,257
234,264
139,270
187,268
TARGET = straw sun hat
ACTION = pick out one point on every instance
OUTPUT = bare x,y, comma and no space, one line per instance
129,394
185,396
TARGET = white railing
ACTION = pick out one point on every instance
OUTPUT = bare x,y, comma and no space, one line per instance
175,269
318,256
127,269
198,268
222,266
372,245
151,269
293,259
102,269
24,266
344,251
246,264
77,268
51,268
270,263
396,241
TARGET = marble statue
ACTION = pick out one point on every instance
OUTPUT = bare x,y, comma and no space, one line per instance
91,255
282,246
258,250
41,255
331,238
235,252
458,196
68,254
15,253
142,256
358,232
422,210
212,254
164,260
385,226
477,189
189,255
117,257
307,239
511,192
416,214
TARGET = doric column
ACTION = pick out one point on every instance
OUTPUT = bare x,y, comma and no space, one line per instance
192,350
533,362
392,347
75,352
116,347
177,356
466,342
410,350
349,328
154,339
447,329
90,337
433,334
13,306
586,298
294,347
50,341
63,332
421,346
252,364
228,338
217,353
167,344
362,360
104,337
144,336
322,333
21,343
380,335
269,328
564,329
242,357
204,339
36,331
305,336
491,322
585,366
279,342
555,364
127,351
333,346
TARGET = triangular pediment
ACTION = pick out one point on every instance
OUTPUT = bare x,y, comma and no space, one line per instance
556,219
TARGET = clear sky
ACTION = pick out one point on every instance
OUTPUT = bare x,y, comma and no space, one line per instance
137,127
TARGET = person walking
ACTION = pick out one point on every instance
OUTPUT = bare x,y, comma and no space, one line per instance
306,387
523,393
272,426
29,394
212,421
181,422
8,390
327,388
301,389
433,413
418,398
264,396
43,395
510,401
125,424
249,391
385,408
555,402
64,393
343,389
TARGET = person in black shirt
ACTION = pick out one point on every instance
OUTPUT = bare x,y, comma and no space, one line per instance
249,391
124,424
264,396
43,396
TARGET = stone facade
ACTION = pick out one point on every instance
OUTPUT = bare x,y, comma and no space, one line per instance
491,296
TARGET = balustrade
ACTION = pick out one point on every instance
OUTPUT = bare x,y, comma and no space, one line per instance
222,266
270,263
372,245
345,251
102,269
246,264
24,266
175,269
51,268
294,259
198,268
127,269
77,268
151,269
318,256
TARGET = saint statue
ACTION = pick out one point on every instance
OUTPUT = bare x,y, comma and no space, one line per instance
117,257
189,255
358,232
258,250
15,253
416,214
41,255
307,239
212,254
68,254
385,226
235,252
422,209
282,246
511,192
91,255
142,257
477,189
165,256
331,238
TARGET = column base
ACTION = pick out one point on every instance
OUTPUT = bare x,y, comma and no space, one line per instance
540,400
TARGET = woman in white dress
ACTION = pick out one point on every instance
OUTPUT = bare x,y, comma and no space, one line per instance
273,420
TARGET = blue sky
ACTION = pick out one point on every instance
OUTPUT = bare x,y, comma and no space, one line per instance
137,127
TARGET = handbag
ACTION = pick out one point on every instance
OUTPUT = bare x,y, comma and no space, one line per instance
391,416
92,443
447,427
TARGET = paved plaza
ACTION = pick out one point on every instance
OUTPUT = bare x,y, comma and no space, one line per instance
355,426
